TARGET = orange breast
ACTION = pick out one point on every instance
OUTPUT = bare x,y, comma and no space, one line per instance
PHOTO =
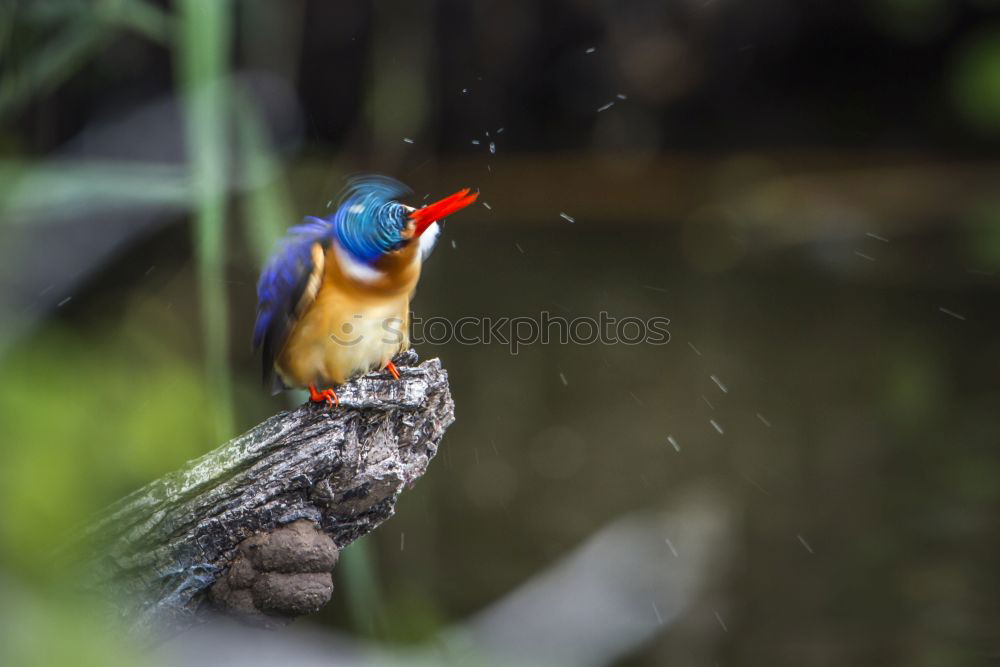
353,325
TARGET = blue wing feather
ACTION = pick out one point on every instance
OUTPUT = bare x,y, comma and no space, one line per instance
281,284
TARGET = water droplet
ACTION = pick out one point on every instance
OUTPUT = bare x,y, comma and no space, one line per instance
721,622
670,545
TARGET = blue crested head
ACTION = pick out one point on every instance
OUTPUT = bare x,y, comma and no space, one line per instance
369,222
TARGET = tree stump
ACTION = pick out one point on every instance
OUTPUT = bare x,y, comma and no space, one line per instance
259,521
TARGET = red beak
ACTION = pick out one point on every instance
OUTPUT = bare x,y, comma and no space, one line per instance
424,217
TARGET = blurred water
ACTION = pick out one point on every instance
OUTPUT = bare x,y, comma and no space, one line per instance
856,437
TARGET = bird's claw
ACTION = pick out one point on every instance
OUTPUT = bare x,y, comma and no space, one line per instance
327,395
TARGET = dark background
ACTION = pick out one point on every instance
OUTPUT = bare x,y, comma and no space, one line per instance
807,190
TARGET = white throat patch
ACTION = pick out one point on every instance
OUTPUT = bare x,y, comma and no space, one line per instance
353,268
428,240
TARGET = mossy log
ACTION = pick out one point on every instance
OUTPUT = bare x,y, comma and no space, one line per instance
156,553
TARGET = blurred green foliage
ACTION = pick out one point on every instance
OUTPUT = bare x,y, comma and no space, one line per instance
981,233
976,80
121,403
911,19
30,190
86,416
66,35
34,632
112,408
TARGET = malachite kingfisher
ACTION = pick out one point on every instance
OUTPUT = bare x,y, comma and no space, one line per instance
333,301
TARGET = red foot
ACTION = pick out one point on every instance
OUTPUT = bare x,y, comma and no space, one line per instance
328,395
391,367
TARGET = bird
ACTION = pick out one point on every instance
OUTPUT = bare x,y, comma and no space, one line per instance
333,301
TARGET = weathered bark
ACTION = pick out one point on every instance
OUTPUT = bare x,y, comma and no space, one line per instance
156,551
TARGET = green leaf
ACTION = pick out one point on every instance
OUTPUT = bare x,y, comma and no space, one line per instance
202,50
